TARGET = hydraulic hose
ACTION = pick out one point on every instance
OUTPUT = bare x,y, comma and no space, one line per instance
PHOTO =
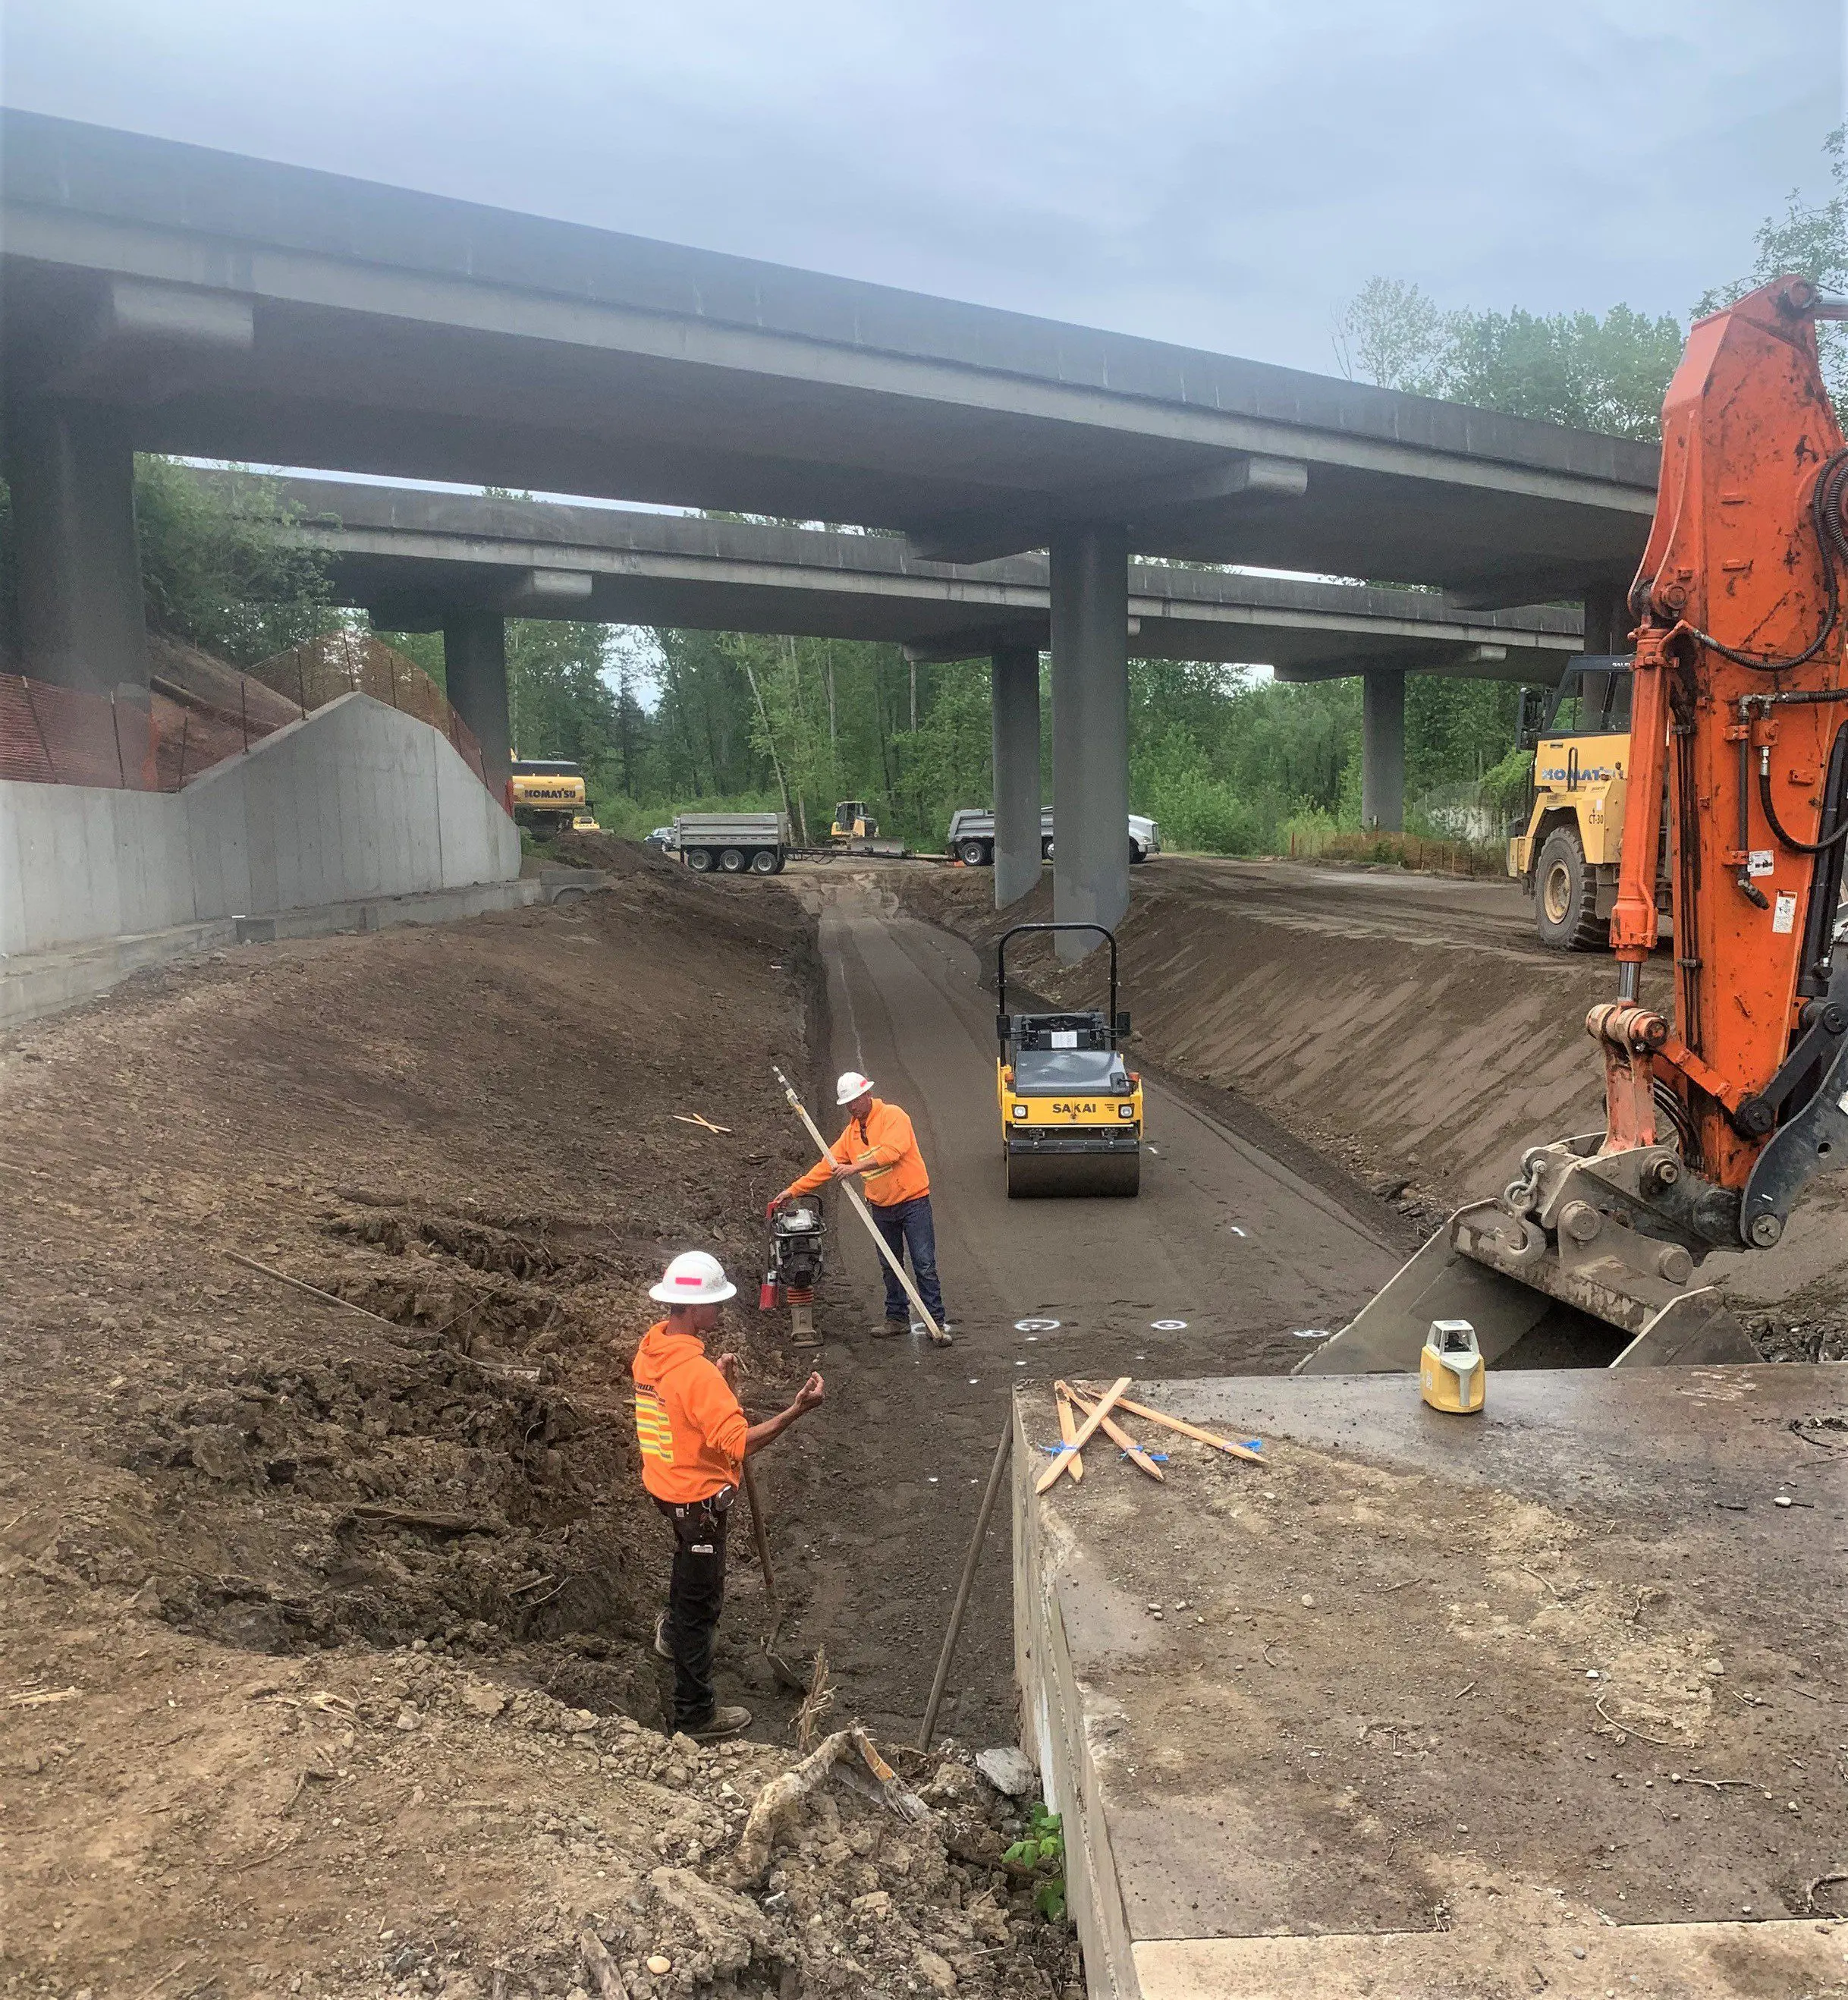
1833,838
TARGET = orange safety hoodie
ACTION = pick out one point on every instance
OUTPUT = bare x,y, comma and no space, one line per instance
884,1137
688,1422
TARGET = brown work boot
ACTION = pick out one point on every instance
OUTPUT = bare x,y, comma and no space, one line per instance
725,1722
892,1329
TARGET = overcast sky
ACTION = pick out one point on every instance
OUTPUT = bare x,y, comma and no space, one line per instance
1225,173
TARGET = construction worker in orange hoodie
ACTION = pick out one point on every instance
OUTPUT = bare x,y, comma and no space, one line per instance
880,1147
694,1437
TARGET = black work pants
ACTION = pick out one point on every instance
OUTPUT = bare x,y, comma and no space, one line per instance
695,1597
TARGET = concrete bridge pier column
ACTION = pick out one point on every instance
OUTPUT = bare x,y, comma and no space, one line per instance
71,470
1383,752
1090,731
1016,695
474,663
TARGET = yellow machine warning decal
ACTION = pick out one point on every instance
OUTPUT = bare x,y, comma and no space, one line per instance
653,1433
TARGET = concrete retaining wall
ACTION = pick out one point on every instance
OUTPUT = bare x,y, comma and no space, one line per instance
354,802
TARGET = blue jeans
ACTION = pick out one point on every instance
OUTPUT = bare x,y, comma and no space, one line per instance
907,1225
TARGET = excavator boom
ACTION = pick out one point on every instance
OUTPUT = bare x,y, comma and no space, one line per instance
1717,1118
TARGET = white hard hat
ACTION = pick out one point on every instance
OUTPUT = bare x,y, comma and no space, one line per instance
852,1084
695,1278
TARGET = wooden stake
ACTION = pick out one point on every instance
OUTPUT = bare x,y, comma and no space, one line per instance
961,1606
1107,1403
936,1333
1191,1430
314,1291
1068,1425
1121,1439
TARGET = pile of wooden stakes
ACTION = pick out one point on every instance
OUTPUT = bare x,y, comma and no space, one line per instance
1094,1406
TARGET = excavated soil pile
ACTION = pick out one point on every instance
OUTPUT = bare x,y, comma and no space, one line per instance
324,1662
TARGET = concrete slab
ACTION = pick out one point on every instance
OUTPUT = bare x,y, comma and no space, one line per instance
1425,1705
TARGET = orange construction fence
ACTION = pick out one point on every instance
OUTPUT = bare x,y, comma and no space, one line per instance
199,712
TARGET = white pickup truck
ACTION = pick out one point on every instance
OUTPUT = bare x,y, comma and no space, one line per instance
972,837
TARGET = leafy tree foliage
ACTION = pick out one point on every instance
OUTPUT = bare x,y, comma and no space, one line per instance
217,569
1605,374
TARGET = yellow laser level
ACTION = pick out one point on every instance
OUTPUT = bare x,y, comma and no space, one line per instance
1451,1374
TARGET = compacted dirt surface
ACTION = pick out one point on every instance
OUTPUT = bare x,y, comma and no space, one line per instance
1409,1027
324,1662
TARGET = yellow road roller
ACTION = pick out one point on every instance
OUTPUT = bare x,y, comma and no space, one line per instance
1071,1108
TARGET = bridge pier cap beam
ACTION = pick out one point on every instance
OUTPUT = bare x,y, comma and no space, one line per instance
1090,731
474,663
1383,751
1016,696
71,470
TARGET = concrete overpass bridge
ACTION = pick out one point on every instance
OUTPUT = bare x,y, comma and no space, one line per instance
165,298
417,560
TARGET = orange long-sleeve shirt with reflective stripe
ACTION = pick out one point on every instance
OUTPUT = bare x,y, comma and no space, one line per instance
884,1137
689,1425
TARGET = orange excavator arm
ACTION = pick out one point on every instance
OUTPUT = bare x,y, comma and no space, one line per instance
1740,728
1717,1119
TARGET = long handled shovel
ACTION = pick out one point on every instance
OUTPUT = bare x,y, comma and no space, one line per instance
936,1332
773,1602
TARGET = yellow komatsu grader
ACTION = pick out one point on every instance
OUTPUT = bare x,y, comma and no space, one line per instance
1071,1108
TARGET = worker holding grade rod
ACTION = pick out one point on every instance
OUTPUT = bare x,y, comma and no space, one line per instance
695,1439
880,1147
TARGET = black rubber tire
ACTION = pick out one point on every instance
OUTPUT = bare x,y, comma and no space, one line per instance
778,868
1566,897
1045,850
700,860
974,854
763,861
731,861
1135,855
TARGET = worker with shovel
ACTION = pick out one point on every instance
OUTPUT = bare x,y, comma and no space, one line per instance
695,1439
880,1147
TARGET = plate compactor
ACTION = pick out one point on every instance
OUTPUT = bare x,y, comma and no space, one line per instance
795,1234
1071,1109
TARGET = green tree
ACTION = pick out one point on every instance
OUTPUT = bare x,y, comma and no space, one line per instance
1605,374
1811,239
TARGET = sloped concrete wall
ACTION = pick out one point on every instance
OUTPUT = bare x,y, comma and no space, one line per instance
355,800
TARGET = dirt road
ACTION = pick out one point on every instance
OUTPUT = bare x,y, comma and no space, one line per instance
1237,1249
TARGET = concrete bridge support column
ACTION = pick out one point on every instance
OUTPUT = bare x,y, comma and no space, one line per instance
71,470
1016,686
1090,732
1383,752
474,664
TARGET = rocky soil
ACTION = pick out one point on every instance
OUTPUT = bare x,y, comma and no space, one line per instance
323,1652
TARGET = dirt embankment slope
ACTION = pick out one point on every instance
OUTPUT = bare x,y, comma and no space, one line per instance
324,1643
1407,1025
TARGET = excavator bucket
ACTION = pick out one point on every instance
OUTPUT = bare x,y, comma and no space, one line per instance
1082,1165
1553,1309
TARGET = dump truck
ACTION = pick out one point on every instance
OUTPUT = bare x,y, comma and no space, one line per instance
733,843
1721,1110
1567,852
547,793
1071,1108
970,837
